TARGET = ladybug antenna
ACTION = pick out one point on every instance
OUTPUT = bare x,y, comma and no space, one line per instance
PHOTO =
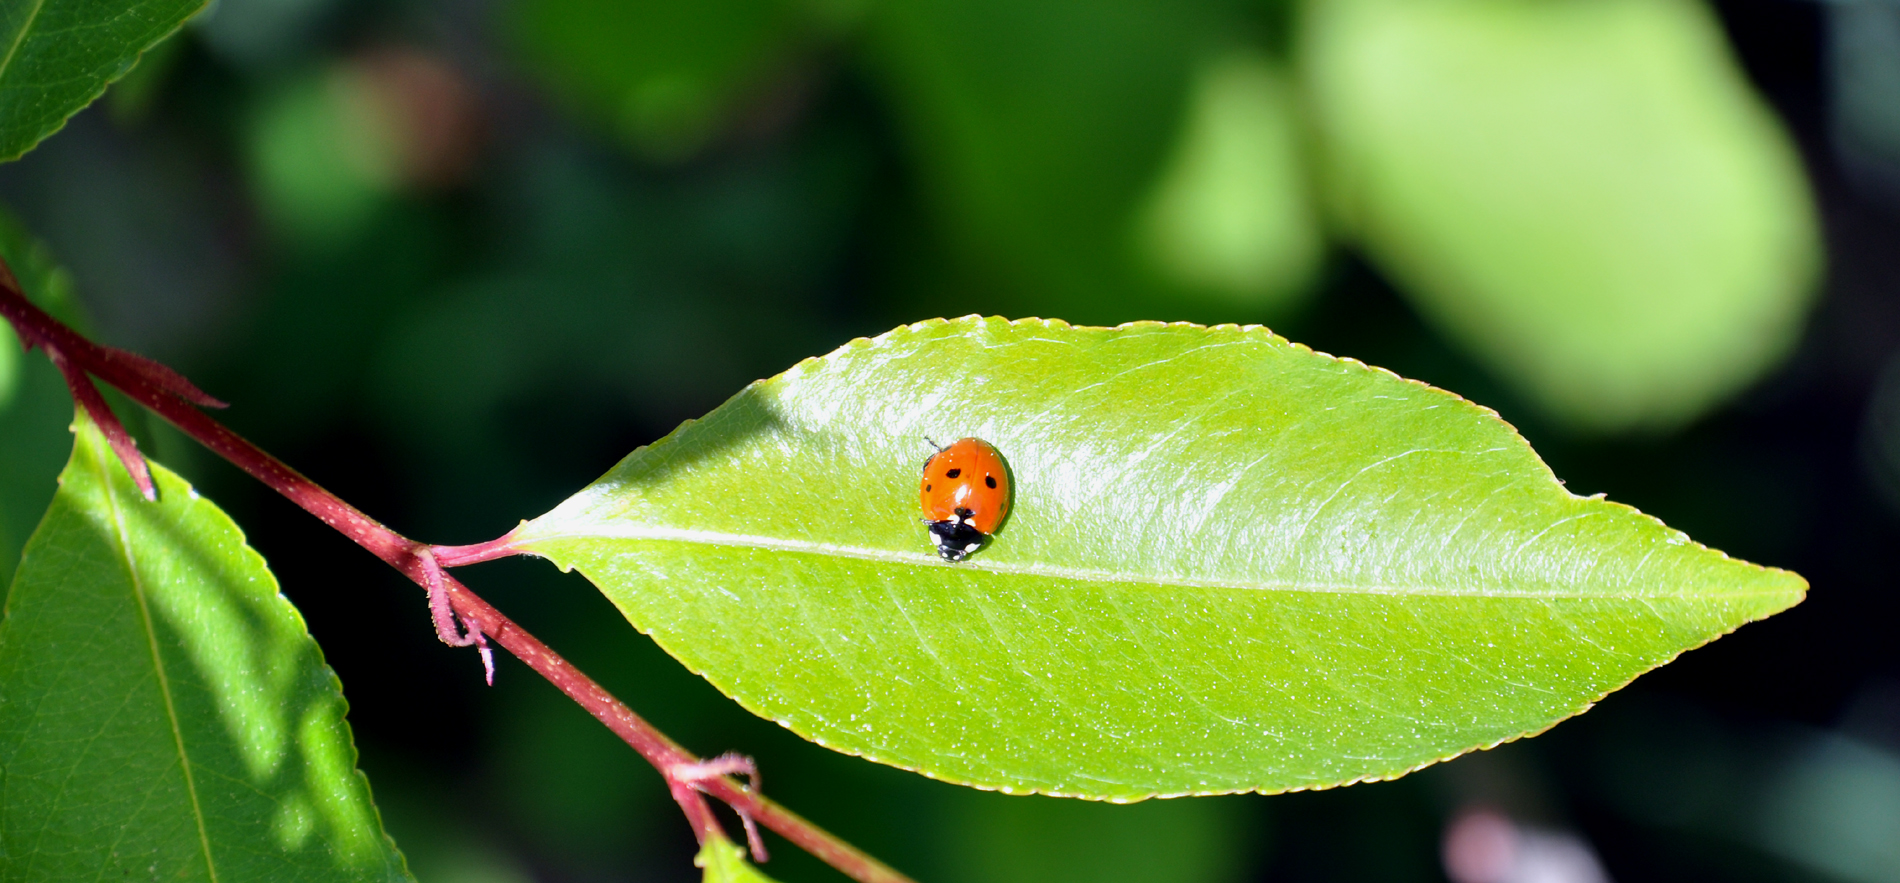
933,444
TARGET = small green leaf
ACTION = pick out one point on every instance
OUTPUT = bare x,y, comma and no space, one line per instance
1233,564
1587,195
725,863
56,56
163,712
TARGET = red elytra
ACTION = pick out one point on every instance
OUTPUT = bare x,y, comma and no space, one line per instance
965,496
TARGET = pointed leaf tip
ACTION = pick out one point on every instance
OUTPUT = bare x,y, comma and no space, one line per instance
159,375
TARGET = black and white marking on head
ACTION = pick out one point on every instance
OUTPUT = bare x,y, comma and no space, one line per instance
955,539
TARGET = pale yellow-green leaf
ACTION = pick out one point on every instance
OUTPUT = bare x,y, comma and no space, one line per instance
1233,564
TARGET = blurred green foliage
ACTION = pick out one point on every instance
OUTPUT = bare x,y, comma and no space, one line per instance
1030,839
322,162
1037,129
665,76
665,201
1584,194
1230,213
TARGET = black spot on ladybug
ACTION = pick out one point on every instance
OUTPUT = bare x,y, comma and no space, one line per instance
926,487
953,473
990,480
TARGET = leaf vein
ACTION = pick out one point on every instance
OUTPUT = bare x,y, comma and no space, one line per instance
104,470
20,38
1087,574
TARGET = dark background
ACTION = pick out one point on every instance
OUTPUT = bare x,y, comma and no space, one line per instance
530,290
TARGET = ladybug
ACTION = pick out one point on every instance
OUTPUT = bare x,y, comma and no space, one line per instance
965,495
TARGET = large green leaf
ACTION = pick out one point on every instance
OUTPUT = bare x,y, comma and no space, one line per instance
1233,564
56,56
1585,194
163,712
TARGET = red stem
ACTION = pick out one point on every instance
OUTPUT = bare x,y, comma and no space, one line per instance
173,398
456,556
86,397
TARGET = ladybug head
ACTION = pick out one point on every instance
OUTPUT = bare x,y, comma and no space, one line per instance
955,538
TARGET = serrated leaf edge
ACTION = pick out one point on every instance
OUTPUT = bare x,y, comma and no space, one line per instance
54,128
224,521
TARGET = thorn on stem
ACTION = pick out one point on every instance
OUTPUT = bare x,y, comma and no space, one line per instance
87,398
157,375
446,621
90,355
728,764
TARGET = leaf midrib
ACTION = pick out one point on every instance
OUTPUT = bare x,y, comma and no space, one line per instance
103,470
20,38
1084,574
